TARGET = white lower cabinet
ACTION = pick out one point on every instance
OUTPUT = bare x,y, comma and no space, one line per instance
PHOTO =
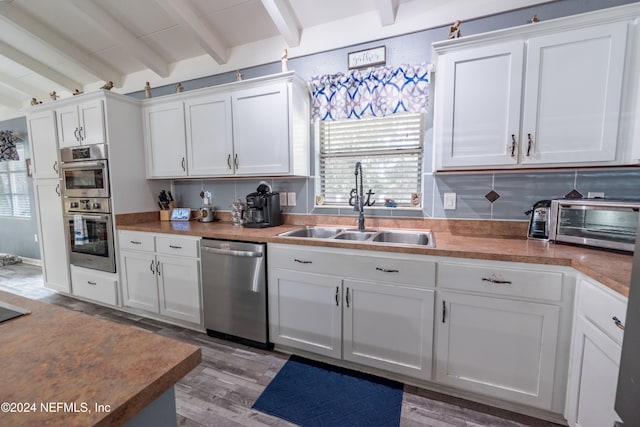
374,322
497,330
153,281
595,356
497,347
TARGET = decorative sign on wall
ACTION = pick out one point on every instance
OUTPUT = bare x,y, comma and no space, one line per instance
368,57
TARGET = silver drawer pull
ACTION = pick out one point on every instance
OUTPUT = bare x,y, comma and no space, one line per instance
175,247
494,279
91,283
617,322
302,261
135,242
387,270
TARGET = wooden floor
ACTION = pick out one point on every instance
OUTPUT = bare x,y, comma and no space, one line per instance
221,390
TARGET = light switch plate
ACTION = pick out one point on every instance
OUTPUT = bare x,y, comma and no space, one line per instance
283,199
291,198
449,201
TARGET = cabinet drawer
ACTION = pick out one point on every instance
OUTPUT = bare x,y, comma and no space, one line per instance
392,270
95,286
296,258
498,280
600,308
136,241
177,246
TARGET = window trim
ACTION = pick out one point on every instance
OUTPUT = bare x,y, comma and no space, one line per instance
21,147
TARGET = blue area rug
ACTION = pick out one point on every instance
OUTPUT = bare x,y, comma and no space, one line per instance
312,393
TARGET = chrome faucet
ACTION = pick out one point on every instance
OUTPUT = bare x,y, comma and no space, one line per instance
359,197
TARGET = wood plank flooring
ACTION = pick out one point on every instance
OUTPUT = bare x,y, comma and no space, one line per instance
221,390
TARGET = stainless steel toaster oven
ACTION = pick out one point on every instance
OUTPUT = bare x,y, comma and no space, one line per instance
601,223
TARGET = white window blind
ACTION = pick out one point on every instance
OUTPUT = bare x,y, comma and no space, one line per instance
14,187
390,149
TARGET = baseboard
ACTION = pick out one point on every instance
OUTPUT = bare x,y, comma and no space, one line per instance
31,261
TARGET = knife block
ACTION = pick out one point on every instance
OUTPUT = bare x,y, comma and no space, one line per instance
165,215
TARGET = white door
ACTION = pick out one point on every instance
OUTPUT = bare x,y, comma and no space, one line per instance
388,327
305,311
209,135
179,288
572,95
68,127
165,140
91,116
261,130
497,347
44,146
53,247
481,94
140,281
594,377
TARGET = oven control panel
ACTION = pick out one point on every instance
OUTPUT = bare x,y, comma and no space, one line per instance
87,204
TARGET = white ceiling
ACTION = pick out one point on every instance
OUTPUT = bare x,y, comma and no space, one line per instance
61,45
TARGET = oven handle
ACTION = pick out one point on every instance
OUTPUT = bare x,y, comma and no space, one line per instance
81,165
89,216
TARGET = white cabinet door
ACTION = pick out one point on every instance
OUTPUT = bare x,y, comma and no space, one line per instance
592,387
165,139
209,135
261,130
480,105
388,327
139,280
68,128
54,255
572,95
44,146
305,311
179,287
497,347
91,122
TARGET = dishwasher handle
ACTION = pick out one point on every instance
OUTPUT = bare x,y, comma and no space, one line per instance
249,254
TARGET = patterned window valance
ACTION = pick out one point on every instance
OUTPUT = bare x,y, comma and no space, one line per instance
8,150
376,92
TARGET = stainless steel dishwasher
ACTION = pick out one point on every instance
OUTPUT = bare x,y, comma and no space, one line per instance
234,291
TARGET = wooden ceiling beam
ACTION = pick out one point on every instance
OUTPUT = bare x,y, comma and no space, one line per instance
135,46
284,18
38,67
53,40
17,85
191,20
387,11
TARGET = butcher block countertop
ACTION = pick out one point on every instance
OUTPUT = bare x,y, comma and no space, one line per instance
488,240
56,356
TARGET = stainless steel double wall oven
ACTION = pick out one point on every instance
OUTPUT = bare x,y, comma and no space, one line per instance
87,206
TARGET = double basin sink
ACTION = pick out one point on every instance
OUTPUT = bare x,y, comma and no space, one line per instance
403,237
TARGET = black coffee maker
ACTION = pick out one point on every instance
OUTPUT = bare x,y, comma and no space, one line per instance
263,208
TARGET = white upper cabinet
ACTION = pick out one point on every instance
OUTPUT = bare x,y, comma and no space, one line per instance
81,124
253,127
261,130
481,105
209,136
164,138
550,94
572,95
44,147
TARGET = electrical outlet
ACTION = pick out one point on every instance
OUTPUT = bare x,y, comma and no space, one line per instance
595,194
35,238
283,199
291,198
449,201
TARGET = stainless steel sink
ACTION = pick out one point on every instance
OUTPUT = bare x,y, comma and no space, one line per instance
405,237
399,237
313,232
355,235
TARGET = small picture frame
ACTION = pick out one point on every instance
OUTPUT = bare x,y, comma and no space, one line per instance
180,214
367,57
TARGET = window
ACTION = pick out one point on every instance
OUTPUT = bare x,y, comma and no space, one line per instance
14,187
390,149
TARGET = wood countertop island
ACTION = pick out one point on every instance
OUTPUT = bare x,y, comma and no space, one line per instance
65,368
